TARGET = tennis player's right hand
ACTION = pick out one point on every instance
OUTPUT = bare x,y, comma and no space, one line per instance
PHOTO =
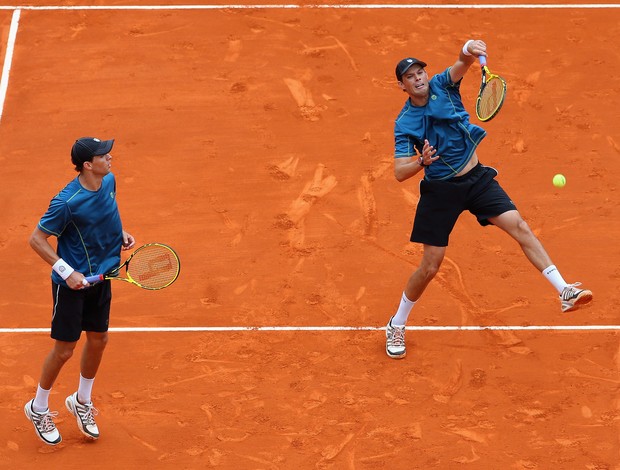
77,281
478,48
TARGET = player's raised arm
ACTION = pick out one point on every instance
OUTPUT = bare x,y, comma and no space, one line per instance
468,54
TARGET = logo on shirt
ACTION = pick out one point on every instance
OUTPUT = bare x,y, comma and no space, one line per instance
433,97
112,194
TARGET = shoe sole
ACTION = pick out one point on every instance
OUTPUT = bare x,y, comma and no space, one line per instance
69,405
581,300
27,412
396,356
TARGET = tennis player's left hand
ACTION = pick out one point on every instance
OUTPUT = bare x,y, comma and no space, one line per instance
428,153
128,241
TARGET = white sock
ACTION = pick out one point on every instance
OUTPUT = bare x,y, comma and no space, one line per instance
84,390
555,278
404,309
41,399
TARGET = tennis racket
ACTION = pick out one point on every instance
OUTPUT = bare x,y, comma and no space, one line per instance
492,93
152,266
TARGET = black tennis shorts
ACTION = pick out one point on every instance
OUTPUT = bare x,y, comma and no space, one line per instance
75,311
442,202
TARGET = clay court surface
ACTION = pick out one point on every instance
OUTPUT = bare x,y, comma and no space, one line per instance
258,143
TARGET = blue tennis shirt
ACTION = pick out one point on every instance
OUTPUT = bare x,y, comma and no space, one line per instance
444,122
88,227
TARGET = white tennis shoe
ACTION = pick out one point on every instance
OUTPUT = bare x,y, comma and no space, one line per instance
85,416
395,341
43,424
571,297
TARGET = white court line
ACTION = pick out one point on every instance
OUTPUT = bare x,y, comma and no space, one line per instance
371,6
215,329
8,59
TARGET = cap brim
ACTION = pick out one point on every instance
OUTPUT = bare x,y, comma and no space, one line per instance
417,62
400,73
104,147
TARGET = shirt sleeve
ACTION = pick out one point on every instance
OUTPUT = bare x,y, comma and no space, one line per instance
56,218
444,80
404,144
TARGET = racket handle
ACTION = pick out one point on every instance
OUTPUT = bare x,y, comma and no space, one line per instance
96,278
483,60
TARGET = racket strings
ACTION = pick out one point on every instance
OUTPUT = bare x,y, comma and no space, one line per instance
491,98
154,267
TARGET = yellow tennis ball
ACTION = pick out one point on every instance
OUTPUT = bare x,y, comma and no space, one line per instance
559,181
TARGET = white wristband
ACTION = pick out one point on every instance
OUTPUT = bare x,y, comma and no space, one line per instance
465,51
62,269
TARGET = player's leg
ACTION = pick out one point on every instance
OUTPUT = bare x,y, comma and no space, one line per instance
570,295
429,266
438,209
417,283
66,330
92,354
512,223
54,361
487,201
95,324
37,410
79,403
492,205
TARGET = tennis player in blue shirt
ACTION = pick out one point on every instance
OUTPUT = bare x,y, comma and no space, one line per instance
433,134
84,218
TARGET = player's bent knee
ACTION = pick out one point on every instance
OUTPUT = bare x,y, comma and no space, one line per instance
524,229
429,271
97,340
63,355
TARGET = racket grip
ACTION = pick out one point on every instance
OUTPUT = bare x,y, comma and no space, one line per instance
95,278
483,60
